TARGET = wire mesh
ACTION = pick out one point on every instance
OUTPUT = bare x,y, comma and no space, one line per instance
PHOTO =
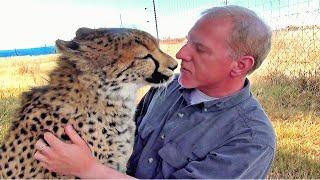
295,52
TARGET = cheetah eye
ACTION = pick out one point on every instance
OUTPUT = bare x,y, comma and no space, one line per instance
147,56
143,56
73,45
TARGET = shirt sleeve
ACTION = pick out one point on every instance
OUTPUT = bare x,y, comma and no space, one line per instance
234,160
142,106
141,110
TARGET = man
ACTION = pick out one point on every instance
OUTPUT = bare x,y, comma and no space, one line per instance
206,123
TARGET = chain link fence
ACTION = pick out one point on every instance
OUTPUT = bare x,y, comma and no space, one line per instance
295,53
295,24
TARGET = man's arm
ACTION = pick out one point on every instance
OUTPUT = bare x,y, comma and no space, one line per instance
141,110
100,171
72,159
143,104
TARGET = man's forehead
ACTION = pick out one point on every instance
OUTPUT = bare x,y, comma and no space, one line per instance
207,30
198,39
192,35
206,24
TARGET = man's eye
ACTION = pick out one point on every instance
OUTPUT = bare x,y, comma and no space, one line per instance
200,49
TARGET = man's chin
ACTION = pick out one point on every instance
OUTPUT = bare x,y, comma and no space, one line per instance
184,82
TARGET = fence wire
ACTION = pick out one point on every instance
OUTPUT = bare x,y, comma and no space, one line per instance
295,52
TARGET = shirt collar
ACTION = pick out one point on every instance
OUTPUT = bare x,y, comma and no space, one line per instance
224,102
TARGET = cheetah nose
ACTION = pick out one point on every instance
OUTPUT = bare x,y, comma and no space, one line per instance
173,68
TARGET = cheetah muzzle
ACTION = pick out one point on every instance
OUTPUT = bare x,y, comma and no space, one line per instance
93,88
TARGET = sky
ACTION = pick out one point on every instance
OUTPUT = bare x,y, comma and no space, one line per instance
35,23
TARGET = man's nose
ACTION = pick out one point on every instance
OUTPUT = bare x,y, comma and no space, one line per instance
184,53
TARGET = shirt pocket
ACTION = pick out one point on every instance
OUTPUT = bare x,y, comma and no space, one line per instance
173,155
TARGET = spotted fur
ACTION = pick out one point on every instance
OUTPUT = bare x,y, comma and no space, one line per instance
93,88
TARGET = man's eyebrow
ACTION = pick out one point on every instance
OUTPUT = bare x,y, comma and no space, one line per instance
201,45
196,42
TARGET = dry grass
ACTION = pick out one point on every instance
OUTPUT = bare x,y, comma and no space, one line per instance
20,73
287,85
295,117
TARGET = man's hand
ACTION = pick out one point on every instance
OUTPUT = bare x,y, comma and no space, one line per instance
72,159
65,158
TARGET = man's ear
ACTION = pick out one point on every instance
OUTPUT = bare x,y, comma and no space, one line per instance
242,66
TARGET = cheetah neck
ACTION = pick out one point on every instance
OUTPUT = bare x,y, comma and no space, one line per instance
92,88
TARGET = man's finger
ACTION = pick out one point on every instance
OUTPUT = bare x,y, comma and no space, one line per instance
74,136
53,141
40,157
42,147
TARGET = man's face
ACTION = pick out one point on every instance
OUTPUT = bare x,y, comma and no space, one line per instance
206,63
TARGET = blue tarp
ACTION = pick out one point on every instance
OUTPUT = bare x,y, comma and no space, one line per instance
28,51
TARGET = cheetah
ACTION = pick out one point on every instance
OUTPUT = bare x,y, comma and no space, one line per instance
93,88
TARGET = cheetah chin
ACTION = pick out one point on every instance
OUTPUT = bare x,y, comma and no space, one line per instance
92,88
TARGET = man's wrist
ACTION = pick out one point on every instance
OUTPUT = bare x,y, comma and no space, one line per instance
91,170
97,170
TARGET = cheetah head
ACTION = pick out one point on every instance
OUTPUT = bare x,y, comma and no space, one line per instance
128,55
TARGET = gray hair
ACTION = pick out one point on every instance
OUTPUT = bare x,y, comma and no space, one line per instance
250,35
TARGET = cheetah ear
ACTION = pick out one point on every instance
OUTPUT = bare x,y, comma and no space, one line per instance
69,46
83,31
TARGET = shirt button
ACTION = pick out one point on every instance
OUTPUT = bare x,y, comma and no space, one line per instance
162,136
150,160
180,115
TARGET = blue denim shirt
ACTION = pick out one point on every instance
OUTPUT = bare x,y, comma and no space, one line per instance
226,138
